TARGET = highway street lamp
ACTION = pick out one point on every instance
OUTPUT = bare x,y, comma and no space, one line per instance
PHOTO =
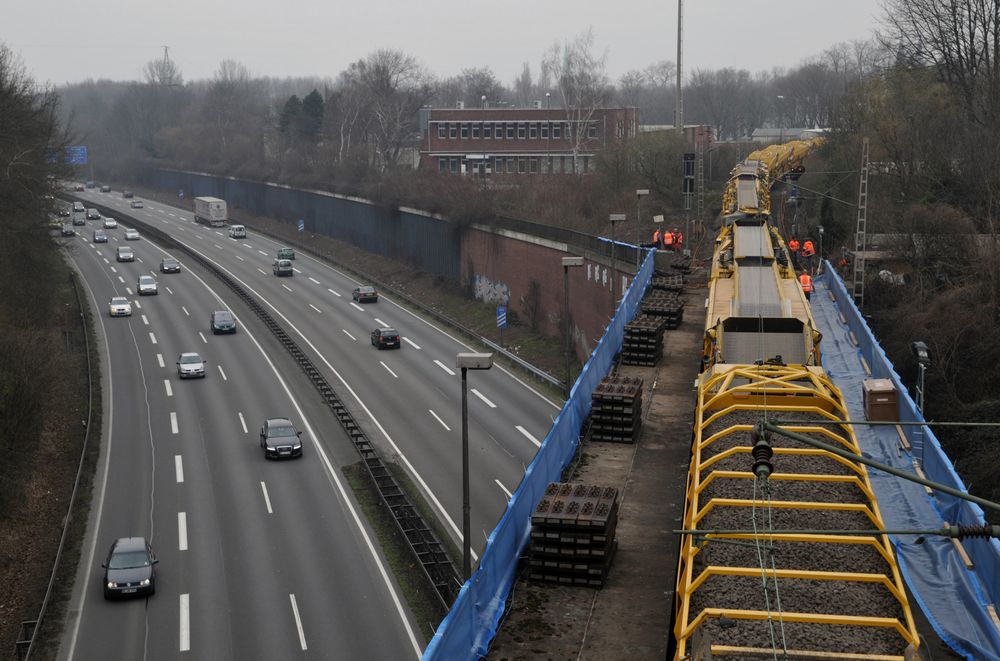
819,228
781,118
638,223
568,263
465,362
615,218
548,134
923,356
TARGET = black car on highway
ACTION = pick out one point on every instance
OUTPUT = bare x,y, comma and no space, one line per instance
170,265
365,295
128,570
279,438
385,338
223,321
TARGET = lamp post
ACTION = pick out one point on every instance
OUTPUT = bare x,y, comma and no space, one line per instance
819,228
465,362
923,356
482,163
568,263
614,218
638,223
781,118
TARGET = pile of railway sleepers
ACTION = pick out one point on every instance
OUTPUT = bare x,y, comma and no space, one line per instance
573,534
678,262
616,413
667,281
643,342
666,304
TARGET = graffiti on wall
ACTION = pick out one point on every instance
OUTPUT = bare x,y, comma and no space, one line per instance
488,291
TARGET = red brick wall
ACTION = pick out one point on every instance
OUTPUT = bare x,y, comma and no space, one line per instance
496,266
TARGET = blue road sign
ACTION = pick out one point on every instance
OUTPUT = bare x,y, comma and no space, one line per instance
180,193
76,155
501,316
302,225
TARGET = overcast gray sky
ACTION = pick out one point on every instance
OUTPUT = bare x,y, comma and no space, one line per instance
68,41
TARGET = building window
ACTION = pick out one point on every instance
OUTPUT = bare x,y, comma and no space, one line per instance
556,164
533,165
487,131
442,166
465,131
510,166
621,128
520,132
498,165
557,131
592,129
533,131
475,131
586,164
510,130
498,131
442,130
453,131
522,165
545,130
454,165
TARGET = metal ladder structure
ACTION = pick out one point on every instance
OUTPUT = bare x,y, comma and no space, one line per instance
860,235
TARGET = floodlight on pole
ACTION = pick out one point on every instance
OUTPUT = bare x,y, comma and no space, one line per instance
465,362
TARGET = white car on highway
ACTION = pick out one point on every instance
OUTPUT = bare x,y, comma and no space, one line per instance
131,235
146,285
136,204
190,365
110,223
120,307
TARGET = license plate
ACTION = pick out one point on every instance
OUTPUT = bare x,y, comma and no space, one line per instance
128,590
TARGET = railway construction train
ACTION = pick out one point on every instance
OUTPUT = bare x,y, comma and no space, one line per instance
767,565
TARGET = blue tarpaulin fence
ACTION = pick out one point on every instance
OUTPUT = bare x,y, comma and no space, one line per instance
468,629
953,597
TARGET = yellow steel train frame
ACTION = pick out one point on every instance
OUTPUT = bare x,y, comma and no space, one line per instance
767,166
724,389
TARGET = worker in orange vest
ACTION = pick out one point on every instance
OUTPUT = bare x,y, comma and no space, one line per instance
793,247
808,254
678,240
807,284
657,238
668,240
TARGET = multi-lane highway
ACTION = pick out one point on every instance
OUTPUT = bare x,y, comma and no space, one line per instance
258,559
262,559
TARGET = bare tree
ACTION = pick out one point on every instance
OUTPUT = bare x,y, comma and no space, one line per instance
163,71
523,87
397,86
630,86
583,85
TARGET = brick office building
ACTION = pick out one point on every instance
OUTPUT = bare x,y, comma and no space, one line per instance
507,141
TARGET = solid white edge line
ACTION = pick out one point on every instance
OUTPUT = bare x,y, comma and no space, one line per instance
267,499
483,397
173,422
298,622
388,369
182,531
179,468
243,422
438,418
528,435
185,623
444,367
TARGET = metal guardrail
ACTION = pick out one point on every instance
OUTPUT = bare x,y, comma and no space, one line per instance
420,537
26,639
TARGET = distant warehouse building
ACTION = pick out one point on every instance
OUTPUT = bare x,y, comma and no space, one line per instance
488,142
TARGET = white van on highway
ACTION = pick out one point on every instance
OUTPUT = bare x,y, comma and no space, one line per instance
237,232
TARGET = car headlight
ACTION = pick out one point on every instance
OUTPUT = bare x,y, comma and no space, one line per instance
297,446
112,584
144,582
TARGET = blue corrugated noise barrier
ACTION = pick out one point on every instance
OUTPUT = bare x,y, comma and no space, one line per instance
470,625
955,598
